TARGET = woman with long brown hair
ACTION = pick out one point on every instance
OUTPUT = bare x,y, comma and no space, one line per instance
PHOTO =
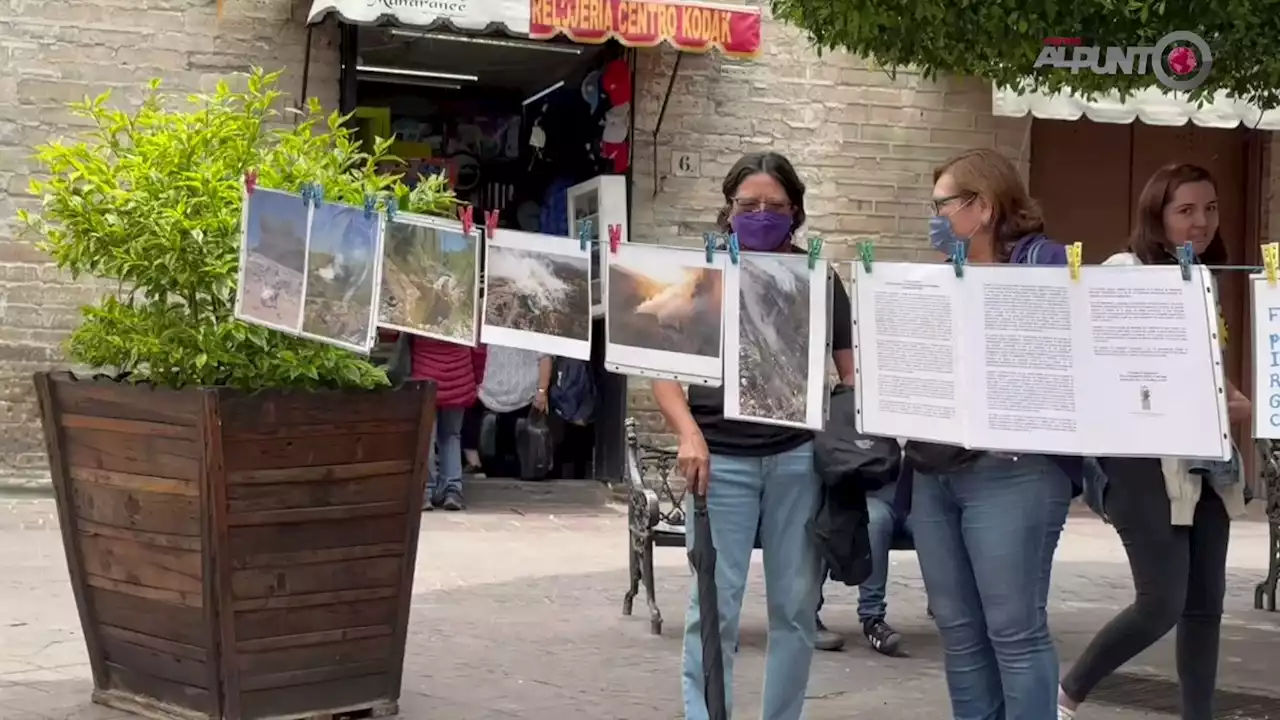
1173,519
986,525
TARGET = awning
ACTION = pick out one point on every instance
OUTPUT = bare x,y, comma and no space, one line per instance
1150,105
687,25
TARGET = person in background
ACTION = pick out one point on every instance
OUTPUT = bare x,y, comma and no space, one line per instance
471,424
884,524
456,370
756,476
986,525
1173,516
515,382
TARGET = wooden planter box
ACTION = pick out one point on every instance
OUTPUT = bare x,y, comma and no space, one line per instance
240,556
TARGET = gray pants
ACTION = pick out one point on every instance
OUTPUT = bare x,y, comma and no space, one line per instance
1179,575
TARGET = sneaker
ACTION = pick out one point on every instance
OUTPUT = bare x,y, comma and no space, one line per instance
882,637
453,500
827,639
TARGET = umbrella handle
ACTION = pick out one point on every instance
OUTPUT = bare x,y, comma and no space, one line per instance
700,503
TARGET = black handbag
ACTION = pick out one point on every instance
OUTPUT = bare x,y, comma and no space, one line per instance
842,455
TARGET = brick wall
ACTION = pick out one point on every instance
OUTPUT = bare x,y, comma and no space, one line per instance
864,143
55,51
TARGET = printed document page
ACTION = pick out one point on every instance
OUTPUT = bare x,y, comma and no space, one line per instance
1023,347
907,354
1266,358
1154,371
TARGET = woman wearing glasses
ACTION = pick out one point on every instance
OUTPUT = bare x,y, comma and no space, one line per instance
756,477
986,524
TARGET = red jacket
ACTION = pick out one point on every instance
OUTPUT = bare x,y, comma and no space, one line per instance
457,370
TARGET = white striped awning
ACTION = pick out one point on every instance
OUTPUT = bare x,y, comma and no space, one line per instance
1149,105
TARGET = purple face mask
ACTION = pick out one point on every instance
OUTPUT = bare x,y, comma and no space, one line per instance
761,231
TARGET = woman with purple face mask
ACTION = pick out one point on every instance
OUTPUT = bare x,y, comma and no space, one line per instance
756,478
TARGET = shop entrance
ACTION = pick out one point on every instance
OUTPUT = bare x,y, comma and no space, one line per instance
536,131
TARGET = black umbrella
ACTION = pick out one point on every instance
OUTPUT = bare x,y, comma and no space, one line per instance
703,559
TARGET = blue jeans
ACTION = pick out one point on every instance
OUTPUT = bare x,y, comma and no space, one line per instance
778,495
985,537
883,524
444,467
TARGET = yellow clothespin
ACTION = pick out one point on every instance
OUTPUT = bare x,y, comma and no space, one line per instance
1270,260
1074,251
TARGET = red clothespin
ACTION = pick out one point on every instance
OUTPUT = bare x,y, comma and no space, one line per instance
250,181
490,222
466,214
615,237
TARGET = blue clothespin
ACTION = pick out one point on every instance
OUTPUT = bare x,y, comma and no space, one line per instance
734,248
391,206
1186,258
709,239
584,233
960,256
865,250
317,191
305,191
815,251
370,205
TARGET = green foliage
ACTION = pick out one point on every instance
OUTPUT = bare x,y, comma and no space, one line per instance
999,40
152,199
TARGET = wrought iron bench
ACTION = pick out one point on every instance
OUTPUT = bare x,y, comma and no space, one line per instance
1264,596
656,518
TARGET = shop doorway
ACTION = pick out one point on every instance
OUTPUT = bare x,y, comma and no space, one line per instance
532,130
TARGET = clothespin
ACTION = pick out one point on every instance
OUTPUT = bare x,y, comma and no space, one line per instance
710,241
865,251
1270,260
467,214
1074,252
317,193
305,191
391,206
490,222
250,181
1186,257
370,205
734,248
615,237
815,251
584,234
960,256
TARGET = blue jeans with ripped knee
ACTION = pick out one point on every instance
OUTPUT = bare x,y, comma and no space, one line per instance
985,537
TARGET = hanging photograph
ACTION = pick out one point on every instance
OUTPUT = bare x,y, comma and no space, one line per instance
430,284
273,258
537,294
342,259
663,313
776,340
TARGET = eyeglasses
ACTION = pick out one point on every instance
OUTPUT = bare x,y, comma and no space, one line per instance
937,204
752,205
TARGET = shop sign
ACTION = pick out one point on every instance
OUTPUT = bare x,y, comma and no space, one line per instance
689,26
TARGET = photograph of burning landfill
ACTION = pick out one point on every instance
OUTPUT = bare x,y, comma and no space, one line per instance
273,257
538,294
775,341
429,279
663,312
342,258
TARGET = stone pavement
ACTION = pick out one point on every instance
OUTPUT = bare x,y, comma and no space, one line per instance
517,616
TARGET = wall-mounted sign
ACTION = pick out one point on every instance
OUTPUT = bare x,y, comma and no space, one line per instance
686,164
689,26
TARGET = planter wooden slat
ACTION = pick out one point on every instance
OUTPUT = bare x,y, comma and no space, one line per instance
240,556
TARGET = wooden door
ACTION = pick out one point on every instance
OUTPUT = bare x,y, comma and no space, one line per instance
1087,177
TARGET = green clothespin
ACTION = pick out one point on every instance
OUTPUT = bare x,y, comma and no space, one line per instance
815,251
709,239
865,252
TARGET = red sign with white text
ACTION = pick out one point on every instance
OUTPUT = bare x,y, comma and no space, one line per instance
689,26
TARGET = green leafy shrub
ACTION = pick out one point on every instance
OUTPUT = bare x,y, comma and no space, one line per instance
152,199
999,40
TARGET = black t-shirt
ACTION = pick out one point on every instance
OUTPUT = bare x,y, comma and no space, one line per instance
748,439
